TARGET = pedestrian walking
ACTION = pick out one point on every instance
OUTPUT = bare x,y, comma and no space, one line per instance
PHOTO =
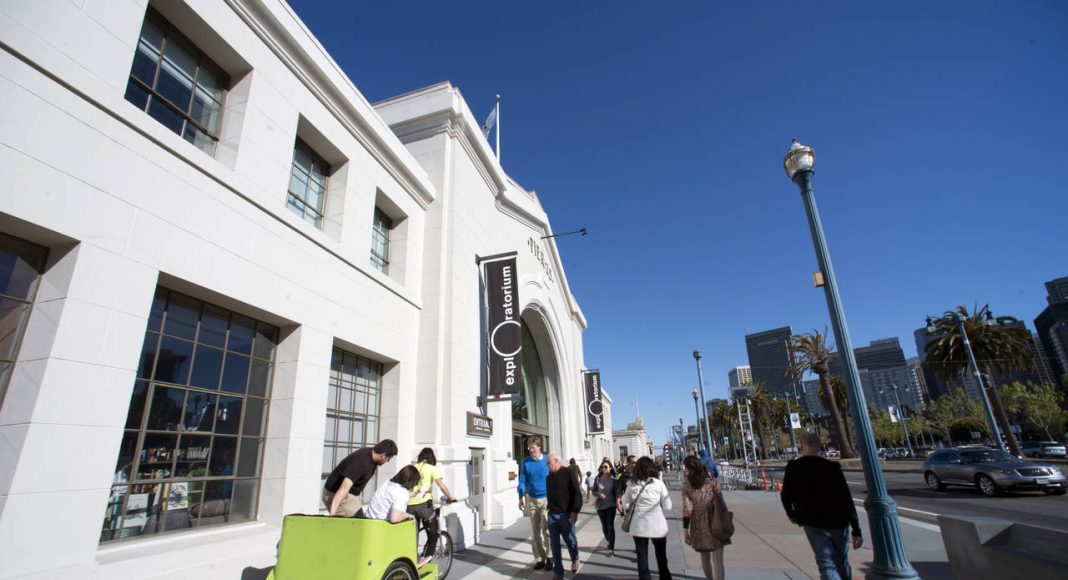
589,485
626,474
648,497
532,475
564,501
699,492
604,494
816,496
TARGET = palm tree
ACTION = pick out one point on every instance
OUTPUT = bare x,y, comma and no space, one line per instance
723,418
812,353
999,348
761,406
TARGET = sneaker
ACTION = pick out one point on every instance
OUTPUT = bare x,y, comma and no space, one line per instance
611,553
549,564
423,561
574,566
539,564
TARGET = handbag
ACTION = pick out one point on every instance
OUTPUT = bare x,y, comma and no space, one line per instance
629,514
721,524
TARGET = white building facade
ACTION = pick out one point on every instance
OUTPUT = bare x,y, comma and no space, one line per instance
223,270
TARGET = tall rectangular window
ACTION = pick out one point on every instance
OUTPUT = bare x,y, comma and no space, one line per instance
307,184
381,227
176,84
352,409
192,447
20,273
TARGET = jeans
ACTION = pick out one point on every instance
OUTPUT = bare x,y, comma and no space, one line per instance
560,525
608,526
641,546
831,548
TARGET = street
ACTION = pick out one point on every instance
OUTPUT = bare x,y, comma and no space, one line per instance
917,502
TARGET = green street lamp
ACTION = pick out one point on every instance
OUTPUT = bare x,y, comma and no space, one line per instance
697,412
887,545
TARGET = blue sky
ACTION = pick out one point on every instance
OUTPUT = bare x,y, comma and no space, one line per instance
940,130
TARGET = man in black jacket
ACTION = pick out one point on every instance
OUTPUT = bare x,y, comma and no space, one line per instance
564,499
816,496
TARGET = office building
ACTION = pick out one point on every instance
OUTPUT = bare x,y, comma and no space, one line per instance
885,353
769,358
740,375
1052,327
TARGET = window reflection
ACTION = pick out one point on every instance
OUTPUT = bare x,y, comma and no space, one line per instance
183,467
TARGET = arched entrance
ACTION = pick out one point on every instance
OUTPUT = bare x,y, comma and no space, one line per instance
531,413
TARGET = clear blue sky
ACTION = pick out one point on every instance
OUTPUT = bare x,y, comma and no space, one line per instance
940,129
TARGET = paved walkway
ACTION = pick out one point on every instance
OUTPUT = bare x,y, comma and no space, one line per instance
765,546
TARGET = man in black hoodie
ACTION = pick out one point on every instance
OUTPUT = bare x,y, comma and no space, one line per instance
816,496
564,504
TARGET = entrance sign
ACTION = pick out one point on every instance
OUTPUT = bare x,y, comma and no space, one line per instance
594,403
503,329
479,425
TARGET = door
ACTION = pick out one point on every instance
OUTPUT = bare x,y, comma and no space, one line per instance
476,482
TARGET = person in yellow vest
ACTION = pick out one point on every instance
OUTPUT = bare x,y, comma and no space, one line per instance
421,505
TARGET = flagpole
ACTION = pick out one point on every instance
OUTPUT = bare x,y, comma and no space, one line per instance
498,125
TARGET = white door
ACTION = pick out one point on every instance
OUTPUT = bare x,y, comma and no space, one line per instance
476,483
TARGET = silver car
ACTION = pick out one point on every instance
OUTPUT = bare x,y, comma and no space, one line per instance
990,470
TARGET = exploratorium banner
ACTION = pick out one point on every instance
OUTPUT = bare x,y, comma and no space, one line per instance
503,327
594,403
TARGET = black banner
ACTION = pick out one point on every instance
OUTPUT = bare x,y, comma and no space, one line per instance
594,403
503,329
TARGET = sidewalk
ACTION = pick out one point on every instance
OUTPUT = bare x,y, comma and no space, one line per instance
765,546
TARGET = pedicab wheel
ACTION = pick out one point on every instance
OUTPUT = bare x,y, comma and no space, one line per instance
399,570
443,555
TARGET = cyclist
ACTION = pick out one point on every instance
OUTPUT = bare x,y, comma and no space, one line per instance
421,505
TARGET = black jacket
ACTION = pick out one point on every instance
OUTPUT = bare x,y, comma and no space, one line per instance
562,492
815,493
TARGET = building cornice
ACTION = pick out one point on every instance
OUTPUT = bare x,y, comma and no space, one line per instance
282,31
440,108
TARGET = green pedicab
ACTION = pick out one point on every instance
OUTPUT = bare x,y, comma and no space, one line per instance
332,548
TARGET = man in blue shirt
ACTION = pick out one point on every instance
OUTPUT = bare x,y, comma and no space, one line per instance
533,472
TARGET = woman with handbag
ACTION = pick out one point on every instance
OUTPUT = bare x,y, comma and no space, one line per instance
644,504
604,494
699,492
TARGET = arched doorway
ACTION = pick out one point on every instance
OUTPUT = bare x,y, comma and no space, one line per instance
531,412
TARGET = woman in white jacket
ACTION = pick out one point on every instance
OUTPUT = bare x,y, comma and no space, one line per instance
649,498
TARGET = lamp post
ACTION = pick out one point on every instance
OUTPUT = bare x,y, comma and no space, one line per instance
975,372
682,442
697,412
888,547
704,407
901,413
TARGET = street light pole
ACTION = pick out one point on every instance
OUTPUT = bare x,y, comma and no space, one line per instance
697,412
704,408
978,377
904,420
891,561
682,442
790,424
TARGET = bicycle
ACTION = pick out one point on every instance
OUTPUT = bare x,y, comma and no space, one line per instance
442,556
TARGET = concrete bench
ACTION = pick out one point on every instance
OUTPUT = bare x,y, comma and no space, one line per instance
984,547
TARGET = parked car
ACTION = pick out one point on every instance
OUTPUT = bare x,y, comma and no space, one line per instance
991,471
832,453
1044,449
